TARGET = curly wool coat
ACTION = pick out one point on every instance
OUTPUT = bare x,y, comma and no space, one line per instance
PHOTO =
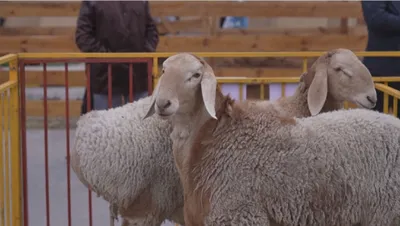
339,168
126,161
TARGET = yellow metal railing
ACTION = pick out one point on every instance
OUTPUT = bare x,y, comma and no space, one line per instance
157,55
10,166
389,91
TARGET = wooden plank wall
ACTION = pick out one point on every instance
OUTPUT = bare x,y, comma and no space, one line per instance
200,19
203,21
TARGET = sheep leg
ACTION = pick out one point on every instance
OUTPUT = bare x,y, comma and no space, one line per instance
113,209
111,221
125,222
247,215
149,220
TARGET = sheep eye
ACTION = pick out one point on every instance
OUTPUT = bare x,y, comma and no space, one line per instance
196,75
337,69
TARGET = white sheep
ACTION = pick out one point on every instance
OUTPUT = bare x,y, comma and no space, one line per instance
336,76
113,156
248,164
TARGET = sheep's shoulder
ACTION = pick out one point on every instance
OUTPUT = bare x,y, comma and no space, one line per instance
238,123
261,113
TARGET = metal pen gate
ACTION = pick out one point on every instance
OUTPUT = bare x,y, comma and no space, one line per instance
10,149
17,157
65,61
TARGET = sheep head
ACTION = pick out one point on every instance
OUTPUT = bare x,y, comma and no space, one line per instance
186,79
344,76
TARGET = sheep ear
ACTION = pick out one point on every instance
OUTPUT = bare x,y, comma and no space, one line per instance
208,90
151,108
318,91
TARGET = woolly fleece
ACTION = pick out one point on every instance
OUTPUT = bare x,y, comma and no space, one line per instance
128,161
336,169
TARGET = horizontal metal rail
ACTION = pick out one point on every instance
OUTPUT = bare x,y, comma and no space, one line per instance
8,58
387,89
287,80
8,85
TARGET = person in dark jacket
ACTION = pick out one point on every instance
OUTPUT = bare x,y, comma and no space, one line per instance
116,26
383,23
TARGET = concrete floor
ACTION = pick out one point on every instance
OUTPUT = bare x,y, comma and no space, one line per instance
58,185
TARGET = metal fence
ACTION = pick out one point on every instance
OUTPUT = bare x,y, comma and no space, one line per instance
15,153
10,165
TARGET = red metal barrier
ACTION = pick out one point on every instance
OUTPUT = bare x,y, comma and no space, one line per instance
44,62
23,143
67,143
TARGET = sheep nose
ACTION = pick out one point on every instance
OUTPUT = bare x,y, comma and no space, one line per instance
167,104
164,104
372,99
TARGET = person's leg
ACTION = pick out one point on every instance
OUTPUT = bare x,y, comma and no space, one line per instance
141,95
136,96
221,21
100,101
84,106
84,103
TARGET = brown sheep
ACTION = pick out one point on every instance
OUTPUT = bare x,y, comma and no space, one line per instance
248,164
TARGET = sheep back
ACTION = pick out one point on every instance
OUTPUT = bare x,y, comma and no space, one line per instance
330,169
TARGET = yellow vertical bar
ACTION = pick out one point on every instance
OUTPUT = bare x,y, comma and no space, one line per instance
283,89
305,61
262,91
385,101
346,105
7,206
240,91
395,105
16,175
2,220
155,72
305,64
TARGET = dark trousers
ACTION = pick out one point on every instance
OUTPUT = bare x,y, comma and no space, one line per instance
221,21
379,104
100,101
103,102
84,106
